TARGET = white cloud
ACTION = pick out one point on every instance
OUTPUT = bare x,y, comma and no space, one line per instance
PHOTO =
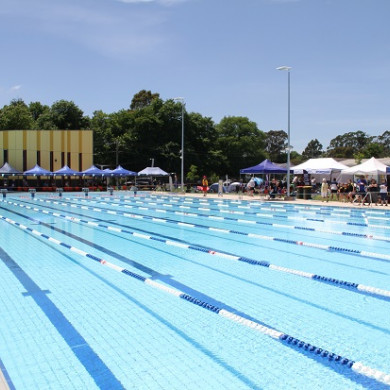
15,88
108,30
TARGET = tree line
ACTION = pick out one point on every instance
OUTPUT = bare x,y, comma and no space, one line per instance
151,128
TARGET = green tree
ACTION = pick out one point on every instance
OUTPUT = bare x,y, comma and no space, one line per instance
37,109
373,149
142,99
112,137
384,140
276,143
16,116
240,142
66,115
348,144
313,149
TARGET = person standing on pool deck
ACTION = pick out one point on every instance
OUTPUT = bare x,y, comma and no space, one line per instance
362,183
383,194
334,189
324,190
205,185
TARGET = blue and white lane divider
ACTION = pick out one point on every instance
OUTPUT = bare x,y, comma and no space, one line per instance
285,338
262,215
276,225
330,248
285,208
375,291
282,208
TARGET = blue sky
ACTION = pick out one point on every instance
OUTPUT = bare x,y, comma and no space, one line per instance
220,55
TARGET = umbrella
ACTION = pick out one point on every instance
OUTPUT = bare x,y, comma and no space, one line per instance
258,181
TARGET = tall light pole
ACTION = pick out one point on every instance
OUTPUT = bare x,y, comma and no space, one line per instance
181,100
287,68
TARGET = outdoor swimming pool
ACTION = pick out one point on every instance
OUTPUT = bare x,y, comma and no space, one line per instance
165,292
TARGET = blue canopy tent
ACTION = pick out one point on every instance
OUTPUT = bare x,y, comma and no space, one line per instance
66,171
264,167
388,170
37,171
93,171
8,170
119,171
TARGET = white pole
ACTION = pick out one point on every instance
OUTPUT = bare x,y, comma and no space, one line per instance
287,68
181,100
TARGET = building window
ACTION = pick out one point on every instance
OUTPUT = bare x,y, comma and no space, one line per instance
39,157
52,161
69,160
80,162
5,155
62,159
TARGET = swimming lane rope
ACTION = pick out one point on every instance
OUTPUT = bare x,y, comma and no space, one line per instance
285,338
276,225
179,243
373,255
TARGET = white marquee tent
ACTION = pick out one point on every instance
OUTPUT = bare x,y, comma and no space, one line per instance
372,168
319,166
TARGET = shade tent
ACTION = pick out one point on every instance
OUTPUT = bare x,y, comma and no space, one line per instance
37,171
93,171
119,171
264,167
371,167
8,170
66,171
388,170
152,171
319,166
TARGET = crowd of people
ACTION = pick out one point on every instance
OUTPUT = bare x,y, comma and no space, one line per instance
361,191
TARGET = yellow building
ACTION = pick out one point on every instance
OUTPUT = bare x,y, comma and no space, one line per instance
51,149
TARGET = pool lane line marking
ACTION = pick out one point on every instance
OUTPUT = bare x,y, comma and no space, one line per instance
262,215
351,286
86,355
5,380
267,330
279,226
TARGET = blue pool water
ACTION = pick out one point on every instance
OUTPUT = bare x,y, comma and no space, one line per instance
257,295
